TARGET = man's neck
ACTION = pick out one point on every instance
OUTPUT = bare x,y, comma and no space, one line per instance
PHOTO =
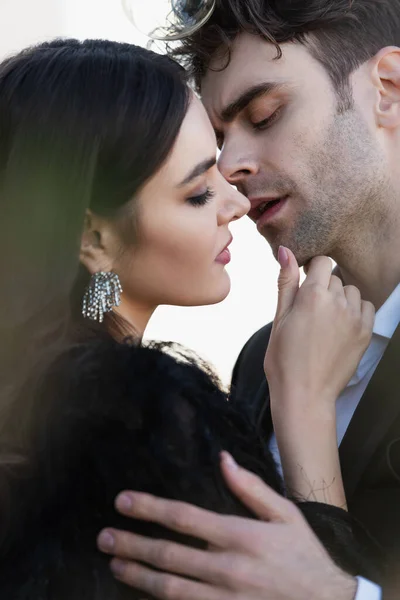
374,269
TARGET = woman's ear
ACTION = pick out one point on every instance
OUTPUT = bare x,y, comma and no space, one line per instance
386,78
96,244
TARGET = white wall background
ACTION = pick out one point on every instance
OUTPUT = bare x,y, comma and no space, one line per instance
217,332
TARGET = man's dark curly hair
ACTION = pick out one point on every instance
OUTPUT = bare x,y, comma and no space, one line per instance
340,34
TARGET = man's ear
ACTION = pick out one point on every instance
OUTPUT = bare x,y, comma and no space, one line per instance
386,78
95,251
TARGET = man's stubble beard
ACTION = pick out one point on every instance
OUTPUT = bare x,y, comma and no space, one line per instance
345,187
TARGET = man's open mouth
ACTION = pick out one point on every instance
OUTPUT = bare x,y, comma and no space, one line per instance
265,206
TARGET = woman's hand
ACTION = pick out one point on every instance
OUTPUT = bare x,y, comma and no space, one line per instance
278,558
320,332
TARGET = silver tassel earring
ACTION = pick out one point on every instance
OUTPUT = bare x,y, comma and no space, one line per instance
102,294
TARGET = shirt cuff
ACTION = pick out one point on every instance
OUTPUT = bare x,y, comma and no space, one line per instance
367,590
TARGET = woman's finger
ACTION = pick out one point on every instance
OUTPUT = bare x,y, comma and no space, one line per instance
336,286
368,315
288,281
353,297
319,271
163,585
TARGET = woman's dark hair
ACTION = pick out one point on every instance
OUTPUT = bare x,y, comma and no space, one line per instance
149,419
82,125
340,34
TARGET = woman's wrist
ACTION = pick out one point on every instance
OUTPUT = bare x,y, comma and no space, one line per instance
307,444
312,477
296,406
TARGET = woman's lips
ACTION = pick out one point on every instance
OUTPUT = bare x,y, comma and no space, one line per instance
224,257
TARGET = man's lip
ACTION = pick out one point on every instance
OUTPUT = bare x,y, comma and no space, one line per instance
254,214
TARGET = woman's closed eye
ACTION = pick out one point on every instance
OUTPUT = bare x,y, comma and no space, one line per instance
201,199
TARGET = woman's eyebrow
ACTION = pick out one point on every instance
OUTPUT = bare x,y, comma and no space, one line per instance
198,170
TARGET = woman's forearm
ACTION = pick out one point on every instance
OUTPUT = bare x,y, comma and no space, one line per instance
308,448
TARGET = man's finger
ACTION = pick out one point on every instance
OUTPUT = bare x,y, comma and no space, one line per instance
319,271
262,500
164,586
178,516
165,555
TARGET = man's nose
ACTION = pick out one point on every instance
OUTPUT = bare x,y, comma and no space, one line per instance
235,166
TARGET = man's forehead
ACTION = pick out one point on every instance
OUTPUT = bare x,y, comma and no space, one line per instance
245,46
222,80
252,62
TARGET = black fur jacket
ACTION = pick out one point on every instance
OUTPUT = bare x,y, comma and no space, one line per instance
115,416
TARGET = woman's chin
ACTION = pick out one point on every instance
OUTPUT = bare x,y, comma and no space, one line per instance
211,294
216,293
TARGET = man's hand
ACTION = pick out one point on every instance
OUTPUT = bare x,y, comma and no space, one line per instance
277,558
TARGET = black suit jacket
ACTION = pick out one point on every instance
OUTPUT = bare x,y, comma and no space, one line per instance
369,452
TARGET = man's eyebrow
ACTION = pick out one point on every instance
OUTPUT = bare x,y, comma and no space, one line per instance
234,108
198,170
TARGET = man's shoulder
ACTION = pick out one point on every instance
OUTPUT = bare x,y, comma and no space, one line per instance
248,372
257,343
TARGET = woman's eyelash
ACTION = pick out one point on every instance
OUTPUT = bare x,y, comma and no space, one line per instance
265,123
201,199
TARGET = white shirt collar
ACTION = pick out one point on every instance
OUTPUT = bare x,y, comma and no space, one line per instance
386,320
388,316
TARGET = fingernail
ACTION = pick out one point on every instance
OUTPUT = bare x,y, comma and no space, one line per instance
117,567
124,502
283,256
106,541
229,461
